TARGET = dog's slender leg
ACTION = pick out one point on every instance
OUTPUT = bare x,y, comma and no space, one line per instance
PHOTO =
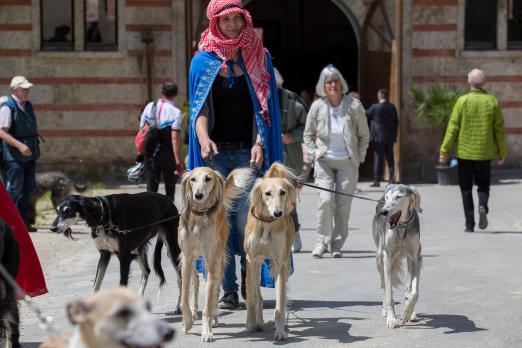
210,298
145,270
408,312
186,273
175,258
103,262
380,268
391,321
260,324
220,267
195,295
125,261
279,316
14,329
251,292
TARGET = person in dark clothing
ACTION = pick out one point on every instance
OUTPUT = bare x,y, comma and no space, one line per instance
384,124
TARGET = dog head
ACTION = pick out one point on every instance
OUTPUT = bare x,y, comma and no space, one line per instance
71,210
201,185
118,318
400,200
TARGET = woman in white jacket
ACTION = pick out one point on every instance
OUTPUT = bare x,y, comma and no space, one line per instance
336,137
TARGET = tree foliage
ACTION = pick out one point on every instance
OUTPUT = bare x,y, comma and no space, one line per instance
436,104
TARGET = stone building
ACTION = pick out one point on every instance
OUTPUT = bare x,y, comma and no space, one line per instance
96,62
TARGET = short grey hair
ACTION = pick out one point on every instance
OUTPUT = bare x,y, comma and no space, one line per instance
329,73
476,78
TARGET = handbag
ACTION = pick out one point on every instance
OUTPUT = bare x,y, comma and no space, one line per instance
136,173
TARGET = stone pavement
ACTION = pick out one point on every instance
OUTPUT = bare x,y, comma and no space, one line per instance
470,287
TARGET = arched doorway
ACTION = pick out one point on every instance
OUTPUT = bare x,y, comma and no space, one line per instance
303,36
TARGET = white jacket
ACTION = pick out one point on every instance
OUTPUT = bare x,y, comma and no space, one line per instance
316,135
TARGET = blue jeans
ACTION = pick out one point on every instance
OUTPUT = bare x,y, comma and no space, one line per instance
224,163
20,183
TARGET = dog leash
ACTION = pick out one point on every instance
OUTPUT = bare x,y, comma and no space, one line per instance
46,320
337,192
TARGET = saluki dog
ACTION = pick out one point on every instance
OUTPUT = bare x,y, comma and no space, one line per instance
203,231
269,234
396,233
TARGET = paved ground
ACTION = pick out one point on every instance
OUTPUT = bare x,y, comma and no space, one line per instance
471,288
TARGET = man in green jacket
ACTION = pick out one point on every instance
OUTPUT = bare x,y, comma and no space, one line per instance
477,127
293,121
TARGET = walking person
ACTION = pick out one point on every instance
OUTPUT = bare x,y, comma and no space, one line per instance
384,124
21,145
476,127
336,137
163,157
234,115
293,120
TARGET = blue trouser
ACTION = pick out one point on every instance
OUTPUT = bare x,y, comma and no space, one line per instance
20,183
224,163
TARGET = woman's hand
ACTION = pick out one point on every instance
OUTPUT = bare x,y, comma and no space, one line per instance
208,149
256,159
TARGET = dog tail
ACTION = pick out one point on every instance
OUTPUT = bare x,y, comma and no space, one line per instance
236,184
280,171
157,261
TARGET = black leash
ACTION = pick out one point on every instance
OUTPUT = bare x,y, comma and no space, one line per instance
337,192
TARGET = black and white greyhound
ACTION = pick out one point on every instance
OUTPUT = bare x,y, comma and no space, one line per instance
123,224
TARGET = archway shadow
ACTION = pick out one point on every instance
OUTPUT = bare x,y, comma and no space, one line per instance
454,323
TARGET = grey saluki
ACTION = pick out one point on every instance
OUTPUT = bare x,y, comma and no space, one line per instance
396,233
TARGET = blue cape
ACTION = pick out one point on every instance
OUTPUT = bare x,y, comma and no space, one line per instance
204,68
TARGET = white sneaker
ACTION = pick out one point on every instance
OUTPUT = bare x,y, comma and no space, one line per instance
297,244
319,250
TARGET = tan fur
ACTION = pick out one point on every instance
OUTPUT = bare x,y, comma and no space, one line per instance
273,194
108,318
203,231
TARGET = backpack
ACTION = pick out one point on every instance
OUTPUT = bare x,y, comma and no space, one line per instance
146,137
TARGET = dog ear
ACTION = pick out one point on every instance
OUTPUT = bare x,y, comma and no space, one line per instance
256,196
291,196
280,171
77,311
186,193
416,200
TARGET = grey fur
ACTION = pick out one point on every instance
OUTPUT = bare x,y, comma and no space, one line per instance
394,243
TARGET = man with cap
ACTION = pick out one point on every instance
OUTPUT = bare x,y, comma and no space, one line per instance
20,145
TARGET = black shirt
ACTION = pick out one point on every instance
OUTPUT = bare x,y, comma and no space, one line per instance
233,111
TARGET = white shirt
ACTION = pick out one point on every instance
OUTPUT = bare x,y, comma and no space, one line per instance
166,115
337,148
5,114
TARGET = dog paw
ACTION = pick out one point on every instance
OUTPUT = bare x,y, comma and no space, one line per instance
392,323
178,311
187,323
207,336
280,335
413,318
405,318
215,321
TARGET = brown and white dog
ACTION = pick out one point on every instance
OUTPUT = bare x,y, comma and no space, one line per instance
113,318
203,231
269,234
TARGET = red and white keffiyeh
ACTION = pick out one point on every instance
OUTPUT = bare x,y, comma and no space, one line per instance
252,50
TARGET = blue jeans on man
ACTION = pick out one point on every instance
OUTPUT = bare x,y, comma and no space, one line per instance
224,163
20,184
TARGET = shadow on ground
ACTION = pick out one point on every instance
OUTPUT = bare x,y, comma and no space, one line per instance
455,323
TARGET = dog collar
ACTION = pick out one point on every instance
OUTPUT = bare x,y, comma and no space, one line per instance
409,222
262,218
207,211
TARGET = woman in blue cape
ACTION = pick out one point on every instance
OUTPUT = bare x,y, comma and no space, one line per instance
234,117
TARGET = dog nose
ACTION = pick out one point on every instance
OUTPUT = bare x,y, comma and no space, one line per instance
278,213
384,212
167,332
198,196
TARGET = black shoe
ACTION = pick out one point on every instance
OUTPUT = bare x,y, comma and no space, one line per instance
483,218
243,283
31,229
230,300
467,229
375,184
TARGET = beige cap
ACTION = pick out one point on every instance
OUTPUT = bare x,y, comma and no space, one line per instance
20,82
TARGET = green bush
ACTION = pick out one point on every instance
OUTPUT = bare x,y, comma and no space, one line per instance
436,104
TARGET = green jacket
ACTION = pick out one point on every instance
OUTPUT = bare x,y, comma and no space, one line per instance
477,126
293,120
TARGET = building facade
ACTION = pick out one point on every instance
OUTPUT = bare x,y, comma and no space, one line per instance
96,62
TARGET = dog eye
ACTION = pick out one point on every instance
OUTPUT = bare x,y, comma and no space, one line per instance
124,313
66,209
268,193
282,193
208,178
193,179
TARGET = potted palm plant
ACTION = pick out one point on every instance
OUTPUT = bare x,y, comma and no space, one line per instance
435,106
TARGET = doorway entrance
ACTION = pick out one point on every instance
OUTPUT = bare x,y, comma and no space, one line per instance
303,36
